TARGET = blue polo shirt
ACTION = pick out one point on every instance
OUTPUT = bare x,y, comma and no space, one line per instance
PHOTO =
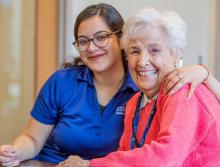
68,101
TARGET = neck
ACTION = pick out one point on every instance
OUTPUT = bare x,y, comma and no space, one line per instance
107,84
110,77
150,94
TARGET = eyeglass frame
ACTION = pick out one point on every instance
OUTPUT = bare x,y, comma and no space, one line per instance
92,39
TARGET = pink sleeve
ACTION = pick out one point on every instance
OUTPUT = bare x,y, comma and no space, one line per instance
178,125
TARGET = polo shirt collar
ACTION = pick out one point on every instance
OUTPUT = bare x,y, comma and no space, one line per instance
86,75
146,100
129,83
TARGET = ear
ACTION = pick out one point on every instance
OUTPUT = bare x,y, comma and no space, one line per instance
178,60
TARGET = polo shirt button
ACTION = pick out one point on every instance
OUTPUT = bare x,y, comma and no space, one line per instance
98,130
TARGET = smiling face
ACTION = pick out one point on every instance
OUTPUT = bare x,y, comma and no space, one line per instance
149,59
96,58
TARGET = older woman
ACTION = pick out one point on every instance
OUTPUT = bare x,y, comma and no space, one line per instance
162,130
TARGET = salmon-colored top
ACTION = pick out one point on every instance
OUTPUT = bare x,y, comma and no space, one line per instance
184,133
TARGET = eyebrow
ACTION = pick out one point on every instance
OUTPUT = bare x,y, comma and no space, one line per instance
98,32
134,47
103,31
148,45
153,45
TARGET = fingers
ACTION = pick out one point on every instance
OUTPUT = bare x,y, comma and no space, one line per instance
172,75
76,160
174,83
177,86
10,149
65,163
7,149
8,156
9,164
7,153
16,162
60,164
193,74
6,159
191,90
12,161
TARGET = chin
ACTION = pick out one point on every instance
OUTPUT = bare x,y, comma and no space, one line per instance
147,85
98,67
149,89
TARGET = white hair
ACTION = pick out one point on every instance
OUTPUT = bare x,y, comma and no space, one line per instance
171,24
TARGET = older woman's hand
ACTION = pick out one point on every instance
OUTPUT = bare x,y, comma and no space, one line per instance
193,74
74,161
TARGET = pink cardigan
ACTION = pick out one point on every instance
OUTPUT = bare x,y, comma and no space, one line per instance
184,133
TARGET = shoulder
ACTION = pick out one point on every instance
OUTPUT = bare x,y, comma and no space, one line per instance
178,95
62,85
61,79
204,93
200,93
69,72
208,100
132,102
202,100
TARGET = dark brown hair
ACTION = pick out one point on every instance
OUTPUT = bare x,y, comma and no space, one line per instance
110,15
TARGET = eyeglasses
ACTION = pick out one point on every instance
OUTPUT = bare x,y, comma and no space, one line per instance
100,40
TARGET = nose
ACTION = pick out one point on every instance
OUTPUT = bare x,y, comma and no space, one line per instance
92,46
144,58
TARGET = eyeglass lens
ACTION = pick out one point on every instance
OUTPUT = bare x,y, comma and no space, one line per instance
100,40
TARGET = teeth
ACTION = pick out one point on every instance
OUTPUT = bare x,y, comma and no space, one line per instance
148,73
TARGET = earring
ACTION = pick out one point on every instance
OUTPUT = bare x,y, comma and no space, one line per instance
178,63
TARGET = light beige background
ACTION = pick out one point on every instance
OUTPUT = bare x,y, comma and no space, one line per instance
17,54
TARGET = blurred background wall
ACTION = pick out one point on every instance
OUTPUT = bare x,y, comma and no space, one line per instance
36,37
28,55
17,54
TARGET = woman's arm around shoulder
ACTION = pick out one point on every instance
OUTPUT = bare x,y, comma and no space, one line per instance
193,74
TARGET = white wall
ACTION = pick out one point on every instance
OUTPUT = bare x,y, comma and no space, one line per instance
217,61
197,13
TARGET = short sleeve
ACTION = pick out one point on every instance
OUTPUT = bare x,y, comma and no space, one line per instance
45,109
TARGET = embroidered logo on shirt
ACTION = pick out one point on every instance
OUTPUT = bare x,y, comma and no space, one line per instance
120,110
